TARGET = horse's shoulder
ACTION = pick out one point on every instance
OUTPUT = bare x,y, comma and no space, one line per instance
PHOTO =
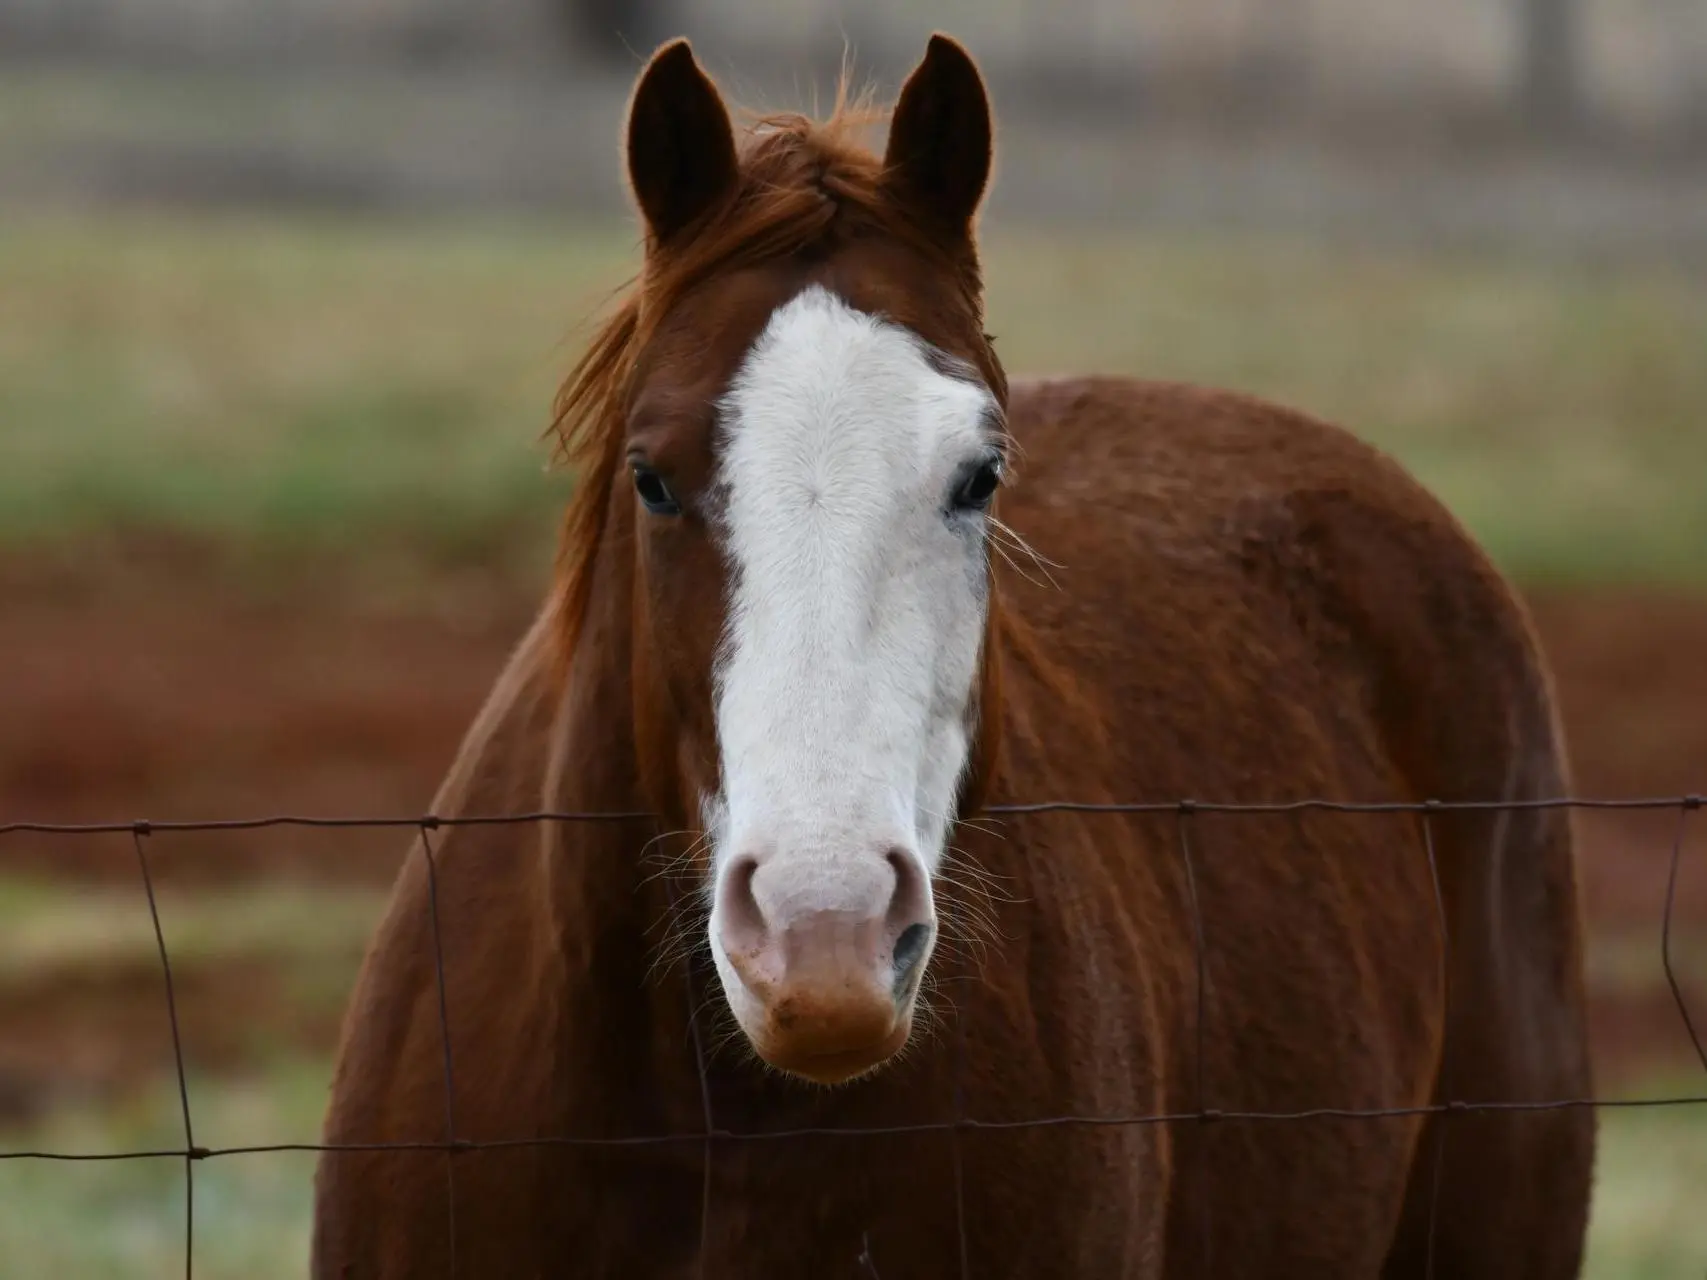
1187,499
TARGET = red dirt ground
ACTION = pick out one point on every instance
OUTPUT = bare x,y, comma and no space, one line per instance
167,693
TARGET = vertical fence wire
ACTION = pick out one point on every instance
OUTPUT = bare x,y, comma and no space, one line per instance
428,825
1689,806
703,1074
961,1239
1444,1080
139,832
1200,965
708,1147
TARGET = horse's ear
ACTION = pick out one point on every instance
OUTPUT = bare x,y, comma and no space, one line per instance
681,148
938,158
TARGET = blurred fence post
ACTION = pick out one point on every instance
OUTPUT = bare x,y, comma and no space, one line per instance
622,31
1551,85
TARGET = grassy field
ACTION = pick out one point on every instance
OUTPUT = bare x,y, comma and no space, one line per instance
308,385
47,927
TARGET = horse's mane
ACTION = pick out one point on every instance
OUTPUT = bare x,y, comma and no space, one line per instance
804,185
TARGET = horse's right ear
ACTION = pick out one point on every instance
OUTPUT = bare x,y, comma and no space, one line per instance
681,147
940,137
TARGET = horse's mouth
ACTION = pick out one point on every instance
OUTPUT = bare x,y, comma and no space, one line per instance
840,1066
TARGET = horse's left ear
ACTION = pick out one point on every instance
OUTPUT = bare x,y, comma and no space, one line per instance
938,158
681,147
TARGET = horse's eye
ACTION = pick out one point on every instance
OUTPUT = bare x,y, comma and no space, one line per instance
655,493
978,486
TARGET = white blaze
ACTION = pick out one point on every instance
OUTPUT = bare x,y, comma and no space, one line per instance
857,598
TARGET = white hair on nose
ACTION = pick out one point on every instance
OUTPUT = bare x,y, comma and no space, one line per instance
857,595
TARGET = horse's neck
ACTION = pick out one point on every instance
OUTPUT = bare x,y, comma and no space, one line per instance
565,970
627,906
586,760
594,875
619,891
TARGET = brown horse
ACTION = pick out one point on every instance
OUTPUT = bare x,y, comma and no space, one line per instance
777,625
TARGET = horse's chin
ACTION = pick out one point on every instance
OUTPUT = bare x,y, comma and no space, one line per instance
834,1067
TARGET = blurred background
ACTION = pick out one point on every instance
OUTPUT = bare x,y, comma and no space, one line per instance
285,289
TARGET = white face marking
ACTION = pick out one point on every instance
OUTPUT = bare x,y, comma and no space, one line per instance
857,601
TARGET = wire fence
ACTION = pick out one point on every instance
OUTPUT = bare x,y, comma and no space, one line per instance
712,1134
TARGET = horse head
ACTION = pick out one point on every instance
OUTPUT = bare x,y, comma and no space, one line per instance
804,434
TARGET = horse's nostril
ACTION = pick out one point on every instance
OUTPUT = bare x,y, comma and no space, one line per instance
909,948
744,928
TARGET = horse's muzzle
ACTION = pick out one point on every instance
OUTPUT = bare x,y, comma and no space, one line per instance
827,957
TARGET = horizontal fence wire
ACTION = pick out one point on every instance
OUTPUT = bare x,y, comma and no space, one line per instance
690,1138
432,822
713,1135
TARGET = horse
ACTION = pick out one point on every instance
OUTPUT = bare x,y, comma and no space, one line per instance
779,969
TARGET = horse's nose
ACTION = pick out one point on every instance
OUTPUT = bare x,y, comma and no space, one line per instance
828,954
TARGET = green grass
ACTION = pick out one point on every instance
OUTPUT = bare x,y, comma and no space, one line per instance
49,927
113,1219
1647,1222
322,385
126,1219
308,386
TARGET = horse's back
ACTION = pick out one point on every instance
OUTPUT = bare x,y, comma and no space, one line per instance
1213,528
1295,618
